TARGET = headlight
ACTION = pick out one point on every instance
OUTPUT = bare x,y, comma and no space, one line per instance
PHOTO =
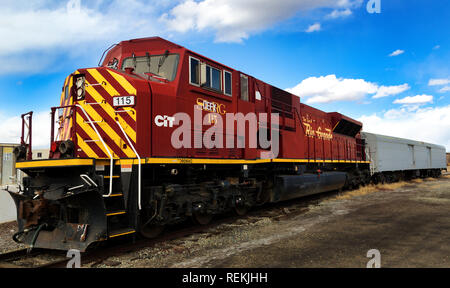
80,93
80,82
80,87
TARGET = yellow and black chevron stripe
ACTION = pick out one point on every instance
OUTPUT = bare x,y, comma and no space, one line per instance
102,84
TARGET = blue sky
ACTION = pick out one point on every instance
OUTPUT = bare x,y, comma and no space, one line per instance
390,69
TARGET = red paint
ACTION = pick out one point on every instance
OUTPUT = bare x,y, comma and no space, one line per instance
153,98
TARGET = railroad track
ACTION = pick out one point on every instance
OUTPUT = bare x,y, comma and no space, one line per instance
37,258
42,258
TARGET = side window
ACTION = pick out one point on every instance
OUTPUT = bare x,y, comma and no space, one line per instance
227,79
216,79
194,70
244,87
211,77
66,92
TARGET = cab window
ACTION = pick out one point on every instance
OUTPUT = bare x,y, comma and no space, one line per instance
194,71
163,66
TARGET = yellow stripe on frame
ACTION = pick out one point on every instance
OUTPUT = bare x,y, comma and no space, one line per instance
54,163
224,161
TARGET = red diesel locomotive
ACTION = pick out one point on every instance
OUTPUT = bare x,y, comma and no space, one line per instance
114,169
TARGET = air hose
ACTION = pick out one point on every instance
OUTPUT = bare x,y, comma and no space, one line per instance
16,235
33,240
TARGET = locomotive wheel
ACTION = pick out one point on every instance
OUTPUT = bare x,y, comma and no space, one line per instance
202,218
150,231
240,210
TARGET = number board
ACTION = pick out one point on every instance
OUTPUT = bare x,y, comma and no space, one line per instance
123,101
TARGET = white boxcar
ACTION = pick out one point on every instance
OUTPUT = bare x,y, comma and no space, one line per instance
397,154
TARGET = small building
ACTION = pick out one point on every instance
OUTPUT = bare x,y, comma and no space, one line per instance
8,172
448,159
8,176
40,154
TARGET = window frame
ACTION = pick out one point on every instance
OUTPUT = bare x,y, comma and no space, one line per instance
122,64
211,68
199,72
204,66
248,88
224,84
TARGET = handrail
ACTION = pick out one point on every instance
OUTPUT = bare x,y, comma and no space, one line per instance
26,142
106,148
88,180
139,165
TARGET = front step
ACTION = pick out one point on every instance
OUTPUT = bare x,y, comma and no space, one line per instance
109,177
118,219
115,213
121,232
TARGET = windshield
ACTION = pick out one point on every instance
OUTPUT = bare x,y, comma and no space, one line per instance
164,66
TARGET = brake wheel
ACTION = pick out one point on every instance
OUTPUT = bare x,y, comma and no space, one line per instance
202,218
240,210
150,230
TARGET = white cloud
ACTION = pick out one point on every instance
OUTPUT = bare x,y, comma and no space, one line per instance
418,99
444,89
436,47
438,82
11,128
313,28
384,91
31,63
235,20
36,33
396,53
340,13
429,124
39,32
43,28
325,89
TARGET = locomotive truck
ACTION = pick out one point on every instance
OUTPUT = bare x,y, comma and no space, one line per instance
114,168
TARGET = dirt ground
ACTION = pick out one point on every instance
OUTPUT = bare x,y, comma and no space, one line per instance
7,230
409,223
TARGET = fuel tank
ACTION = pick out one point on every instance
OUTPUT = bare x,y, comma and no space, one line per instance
293,186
